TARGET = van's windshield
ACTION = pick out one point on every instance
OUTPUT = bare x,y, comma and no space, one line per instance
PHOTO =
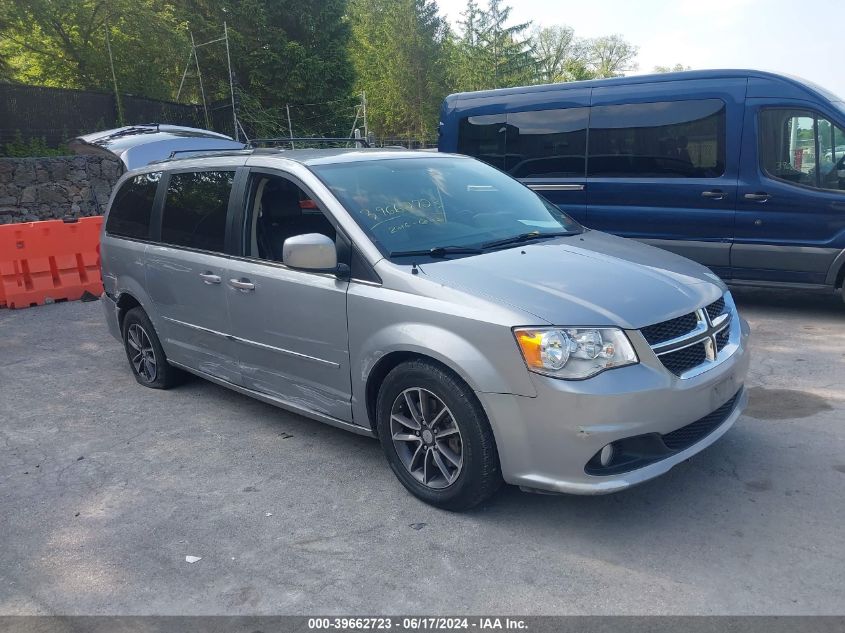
441,205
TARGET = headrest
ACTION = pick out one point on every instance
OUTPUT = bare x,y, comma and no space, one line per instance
280,202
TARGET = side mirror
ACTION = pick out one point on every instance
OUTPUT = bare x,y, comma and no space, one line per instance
312,251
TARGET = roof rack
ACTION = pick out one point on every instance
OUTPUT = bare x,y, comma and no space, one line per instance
263,142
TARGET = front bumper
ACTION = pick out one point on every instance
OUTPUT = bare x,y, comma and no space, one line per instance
545,442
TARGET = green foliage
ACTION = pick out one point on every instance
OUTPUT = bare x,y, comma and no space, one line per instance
62,43
32,147
490,53
399,51
282,51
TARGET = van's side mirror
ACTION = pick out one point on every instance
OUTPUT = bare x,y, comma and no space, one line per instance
311,251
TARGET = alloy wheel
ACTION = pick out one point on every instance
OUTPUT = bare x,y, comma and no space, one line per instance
142,354
426,438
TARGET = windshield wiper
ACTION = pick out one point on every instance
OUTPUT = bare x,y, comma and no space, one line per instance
440,251
524,237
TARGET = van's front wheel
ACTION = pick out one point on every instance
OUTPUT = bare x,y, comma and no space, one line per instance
436,437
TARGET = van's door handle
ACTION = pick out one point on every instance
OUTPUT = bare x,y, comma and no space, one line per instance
760,196
242,284
716,194
210,278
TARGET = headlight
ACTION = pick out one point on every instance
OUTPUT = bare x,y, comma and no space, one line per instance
574,353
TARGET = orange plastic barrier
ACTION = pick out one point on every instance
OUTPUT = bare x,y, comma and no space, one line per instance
43,262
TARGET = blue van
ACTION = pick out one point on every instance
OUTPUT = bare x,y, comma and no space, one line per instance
743,171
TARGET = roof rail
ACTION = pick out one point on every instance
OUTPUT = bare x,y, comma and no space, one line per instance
360,142
209,153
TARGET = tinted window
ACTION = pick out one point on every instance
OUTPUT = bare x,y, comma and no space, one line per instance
130,212
547,143
483,137
416,204
671,139
195,209
802,148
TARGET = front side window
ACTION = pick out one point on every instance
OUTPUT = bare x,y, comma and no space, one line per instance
279,209
195,209
669,139
130,212
418,204
547,143
802,148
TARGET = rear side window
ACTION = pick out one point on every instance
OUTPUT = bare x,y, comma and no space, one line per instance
130,211
547,143
195,209
669,139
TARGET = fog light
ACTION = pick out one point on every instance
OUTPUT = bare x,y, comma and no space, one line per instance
606,455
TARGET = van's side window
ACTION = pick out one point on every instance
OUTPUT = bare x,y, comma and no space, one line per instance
133,203
670,139
279,209
195,209
483,137
802,147
547,143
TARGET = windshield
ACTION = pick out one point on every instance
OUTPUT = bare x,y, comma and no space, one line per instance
411,205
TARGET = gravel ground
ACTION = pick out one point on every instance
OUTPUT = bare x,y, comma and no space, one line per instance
107,486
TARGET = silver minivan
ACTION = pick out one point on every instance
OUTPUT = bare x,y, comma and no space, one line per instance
428,300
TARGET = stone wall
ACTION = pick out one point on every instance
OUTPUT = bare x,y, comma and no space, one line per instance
51,188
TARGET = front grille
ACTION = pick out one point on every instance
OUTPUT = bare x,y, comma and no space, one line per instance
688,435
667,330
684,359
717,308
722,338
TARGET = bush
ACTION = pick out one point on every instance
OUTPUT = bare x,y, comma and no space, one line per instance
32,147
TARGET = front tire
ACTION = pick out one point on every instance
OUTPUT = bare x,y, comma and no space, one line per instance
436,436
146,357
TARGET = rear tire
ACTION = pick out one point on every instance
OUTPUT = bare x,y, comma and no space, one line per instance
146,357
436,436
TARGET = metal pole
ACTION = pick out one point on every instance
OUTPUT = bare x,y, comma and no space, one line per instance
290,127
114,77
199,76
364,106
231,83
184,74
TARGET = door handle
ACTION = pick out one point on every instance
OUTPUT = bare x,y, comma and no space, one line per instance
242,284
760,196
716,194
210,278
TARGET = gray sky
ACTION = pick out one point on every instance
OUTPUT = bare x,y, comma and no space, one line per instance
786,36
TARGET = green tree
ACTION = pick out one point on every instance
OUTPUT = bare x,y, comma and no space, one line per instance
282,52
611,56
560,55
399,51
62,43
490,52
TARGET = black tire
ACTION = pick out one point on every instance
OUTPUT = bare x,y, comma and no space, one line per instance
164,375
479,476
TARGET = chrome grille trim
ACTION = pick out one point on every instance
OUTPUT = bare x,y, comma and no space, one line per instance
706,331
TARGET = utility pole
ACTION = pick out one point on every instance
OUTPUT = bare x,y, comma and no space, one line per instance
231,83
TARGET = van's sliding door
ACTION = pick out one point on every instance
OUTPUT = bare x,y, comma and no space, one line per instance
662,165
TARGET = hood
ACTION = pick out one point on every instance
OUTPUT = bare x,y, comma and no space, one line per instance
592,279
139,145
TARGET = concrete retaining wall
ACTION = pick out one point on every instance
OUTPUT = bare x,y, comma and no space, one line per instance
50,188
